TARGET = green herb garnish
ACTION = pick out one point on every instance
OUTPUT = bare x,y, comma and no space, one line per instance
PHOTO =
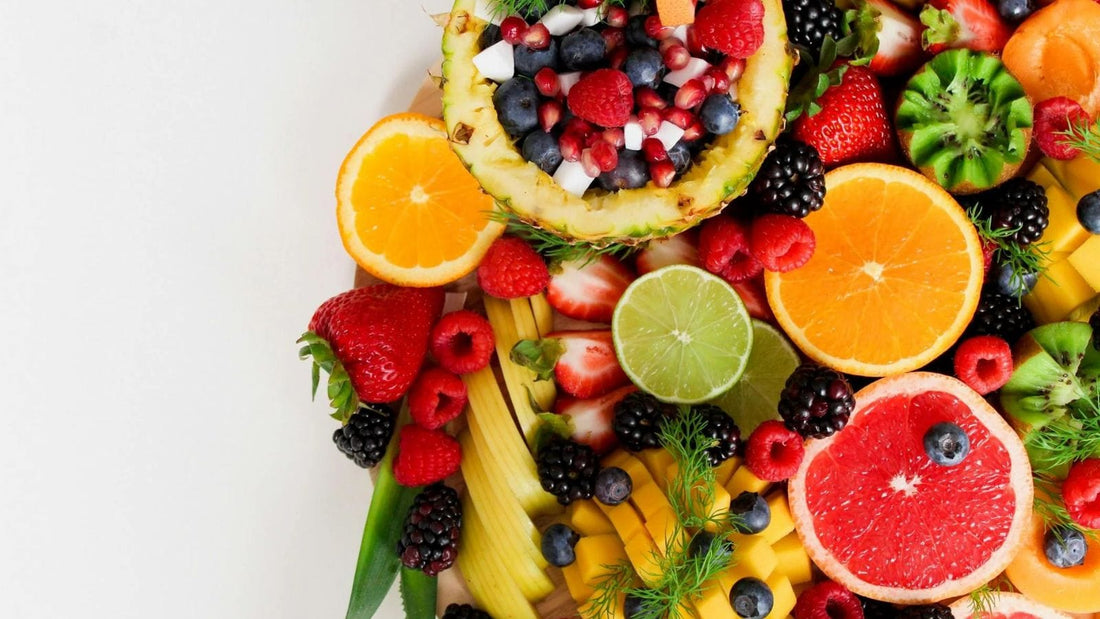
553,247
1022,260
526,7
1084,137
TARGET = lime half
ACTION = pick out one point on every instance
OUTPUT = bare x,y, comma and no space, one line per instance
754,398
682,334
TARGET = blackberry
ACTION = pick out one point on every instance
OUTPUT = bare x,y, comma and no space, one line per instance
1000,315
1016,203
791,180
927,611
430,540
638,420
464,611
720,427
809,21
874,609
366,435
568,470
816,401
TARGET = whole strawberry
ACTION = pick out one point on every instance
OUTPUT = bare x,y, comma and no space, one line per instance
733,27
371,341
852,124
604,97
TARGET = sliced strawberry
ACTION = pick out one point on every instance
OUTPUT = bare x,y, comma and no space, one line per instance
899,39
582,362
680,249
588,291
590,420
752,295
970,24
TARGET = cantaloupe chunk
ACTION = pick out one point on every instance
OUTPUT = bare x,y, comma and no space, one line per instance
676,12
586,518
594,552
783,596
781,523
743,480
794,563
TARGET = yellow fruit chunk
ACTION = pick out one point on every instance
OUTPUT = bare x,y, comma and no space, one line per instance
666,532
724,471
719,504
743,480
715,602
676,12
1079,176
649,500
627,521
794,563
1057,294
1063,232
578,588
486,574
1086,261
518,380
753,557
594,552
634,467
657,461
587,519
781,523
783,596
588,612
644,557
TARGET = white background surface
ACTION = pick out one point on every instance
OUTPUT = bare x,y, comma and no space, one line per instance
166,230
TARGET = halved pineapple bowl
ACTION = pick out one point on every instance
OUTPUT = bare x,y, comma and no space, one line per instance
720,172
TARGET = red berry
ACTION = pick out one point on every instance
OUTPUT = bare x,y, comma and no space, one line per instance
537,36
650,119
511,269
720,81
578,126
462,342
614,137
617,57
1055,116
571,144
425,456
550,112
988,247
546,80
604,97
984,363
655,29
774,451
645,96
591,166
589,4
733,27
690,95
694,131
1081,492
781,242
593,138
733,68
694,44
654,150
676,57
662,173
436,397
724,250
614,38
512,29
617,17
828,600
605,154
679,116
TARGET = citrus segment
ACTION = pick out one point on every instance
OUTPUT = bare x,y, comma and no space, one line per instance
894,279
1006,606
682,334
879,516
408,211
754,398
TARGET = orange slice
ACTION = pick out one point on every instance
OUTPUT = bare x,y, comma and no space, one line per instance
894,279
408,211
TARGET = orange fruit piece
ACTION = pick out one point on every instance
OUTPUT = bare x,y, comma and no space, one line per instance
877,515
676,12
1006,605
408,211
1056,53
894,279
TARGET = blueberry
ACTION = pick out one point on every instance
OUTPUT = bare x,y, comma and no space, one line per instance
631,173
583,50
643,66
528,61
557,545
719,114
636,35
680,155
1004,280
541,149
517,102
702,542
1088,212
1064,547
632,606
1015,11
946,444
613,486
489,37
751,598
752,512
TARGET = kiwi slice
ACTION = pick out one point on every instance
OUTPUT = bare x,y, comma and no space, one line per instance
1055,365
964,121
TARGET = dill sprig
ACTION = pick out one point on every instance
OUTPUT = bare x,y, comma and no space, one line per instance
983,600
504,8
1067,440
1053,512
553,247
1032,258
691,492
616,578
1084,137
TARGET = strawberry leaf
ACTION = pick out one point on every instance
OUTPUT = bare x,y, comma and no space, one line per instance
341,393
941,27
539,356
551,425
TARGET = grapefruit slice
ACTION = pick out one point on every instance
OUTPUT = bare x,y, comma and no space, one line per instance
878,516
1007,606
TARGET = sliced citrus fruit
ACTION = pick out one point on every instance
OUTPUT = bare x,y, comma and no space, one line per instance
1005,605
877,515
894,279
682,334
754,398
408,211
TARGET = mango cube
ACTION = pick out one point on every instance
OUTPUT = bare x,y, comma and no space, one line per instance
596,551
719,504
578,588
664,528
724,471
628,523
743,480
783,596
657,461
753,557
649,500
715,602
588,612
1057,294
586,518
1086,261
794,563
644,557
781,523
1063,232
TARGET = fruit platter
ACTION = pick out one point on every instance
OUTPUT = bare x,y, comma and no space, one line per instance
728,309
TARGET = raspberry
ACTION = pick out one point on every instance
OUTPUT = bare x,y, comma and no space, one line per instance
1081,492
425,456
462,342
827,600
781,242
733,27
988,247
604,97
774,452
984,363
511,269
436,397
1054,116
724,250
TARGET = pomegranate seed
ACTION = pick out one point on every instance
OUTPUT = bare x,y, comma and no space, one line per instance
676,57
693,44
617,17
550,113
679,116
614,37
645,96
655,29
588,160
691,94
733,67
732,91
662,173
537,37
654,150
720,79
694,131
546,80
512,29
650,119
578,126
589,4
614,137
707,81
593,139
618,56
605,155
570,145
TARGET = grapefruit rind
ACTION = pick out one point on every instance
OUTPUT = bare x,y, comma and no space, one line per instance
1007,604
913,384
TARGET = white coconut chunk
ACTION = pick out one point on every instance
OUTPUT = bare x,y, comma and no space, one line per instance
696,67
562,19
669,134
571,177
594,16
490,11
681,32
633,134
496,62
568,81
